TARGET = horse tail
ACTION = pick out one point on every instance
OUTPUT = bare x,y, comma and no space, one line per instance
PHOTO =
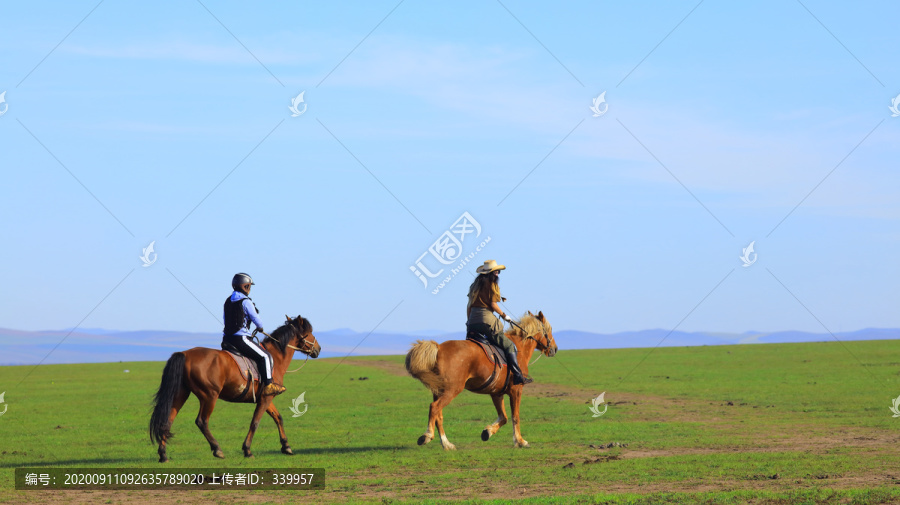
420,363
169,386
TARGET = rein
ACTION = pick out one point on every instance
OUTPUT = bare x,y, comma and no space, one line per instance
292,347
527,336
304,361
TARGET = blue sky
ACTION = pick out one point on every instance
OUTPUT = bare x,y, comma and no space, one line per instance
170,123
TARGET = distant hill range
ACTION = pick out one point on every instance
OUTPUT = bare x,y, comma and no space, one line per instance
99,345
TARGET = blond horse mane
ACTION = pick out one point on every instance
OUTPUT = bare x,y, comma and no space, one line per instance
532,325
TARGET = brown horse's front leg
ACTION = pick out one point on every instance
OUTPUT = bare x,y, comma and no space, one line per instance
515,398
501,418
272,411
261,407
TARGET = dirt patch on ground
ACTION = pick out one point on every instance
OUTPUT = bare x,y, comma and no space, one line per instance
639,407
795,444
390,367
539,389
794,438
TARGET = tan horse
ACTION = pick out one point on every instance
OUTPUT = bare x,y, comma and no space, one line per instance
212,375
446,369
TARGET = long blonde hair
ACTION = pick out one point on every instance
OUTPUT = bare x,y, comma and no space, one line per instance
478,286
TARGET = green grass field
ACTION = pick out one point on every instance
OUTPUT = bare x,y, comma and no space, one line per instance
786,423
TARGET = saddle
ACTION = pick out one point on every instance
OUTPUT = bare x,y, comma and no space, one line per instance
248,368
497,356
493,352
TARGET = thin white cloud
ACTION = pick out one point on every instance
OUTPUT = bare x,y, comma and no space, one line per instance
276,50
746,163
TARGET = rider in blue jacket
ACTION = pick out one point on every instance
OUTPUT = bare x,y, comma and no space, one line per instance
239,311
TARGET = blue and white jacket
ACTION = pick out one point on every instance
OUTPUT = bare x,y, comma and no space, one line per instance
237,314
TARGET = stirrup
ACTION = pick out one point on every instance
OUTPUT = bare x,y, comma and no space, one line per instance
522,379
274,389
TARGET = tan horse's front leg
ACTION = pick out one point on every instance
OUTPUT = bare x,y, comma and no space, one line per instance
254,423
279,421
492,428
515,398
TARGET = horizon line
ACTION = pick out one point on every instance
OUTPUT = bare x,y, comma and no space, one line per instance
446,332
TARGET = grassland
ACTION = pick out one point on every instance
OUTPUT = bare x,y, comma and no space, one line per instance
781,423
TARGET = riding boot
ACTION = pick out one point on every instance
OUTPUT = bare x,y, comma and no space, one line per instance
518,377
273,389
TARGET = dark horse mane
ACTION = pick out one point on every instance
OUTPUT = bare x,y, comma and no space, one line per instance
284,333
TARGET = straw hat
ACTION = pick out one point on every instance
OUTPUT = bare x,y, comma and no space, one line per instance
489,266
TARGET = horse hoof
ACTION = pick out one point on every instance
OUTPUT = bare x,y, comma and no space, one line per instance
449,447
163,460
248,454
523,445
219,454
485,435
423,440
287,450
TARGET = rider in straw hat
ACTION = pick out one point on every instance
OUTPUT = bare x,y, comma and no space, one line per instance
239,312
484,296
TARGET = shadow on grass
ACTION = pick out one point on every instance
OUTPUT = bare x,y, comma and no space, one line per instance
151,460
340,450
68,462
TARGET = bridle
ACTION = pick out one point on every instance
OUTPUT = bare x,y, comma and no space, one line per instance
545,344
302,347
305,345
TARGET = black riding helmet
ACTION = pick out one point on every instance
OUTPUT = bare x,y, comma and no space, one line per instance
240,280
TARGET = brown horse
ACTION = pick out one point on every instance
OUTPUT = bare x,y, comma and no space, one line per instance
211,374
446,369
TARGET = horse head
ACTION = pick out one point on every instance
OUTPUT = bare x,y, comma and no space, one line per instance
547,344
303,338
